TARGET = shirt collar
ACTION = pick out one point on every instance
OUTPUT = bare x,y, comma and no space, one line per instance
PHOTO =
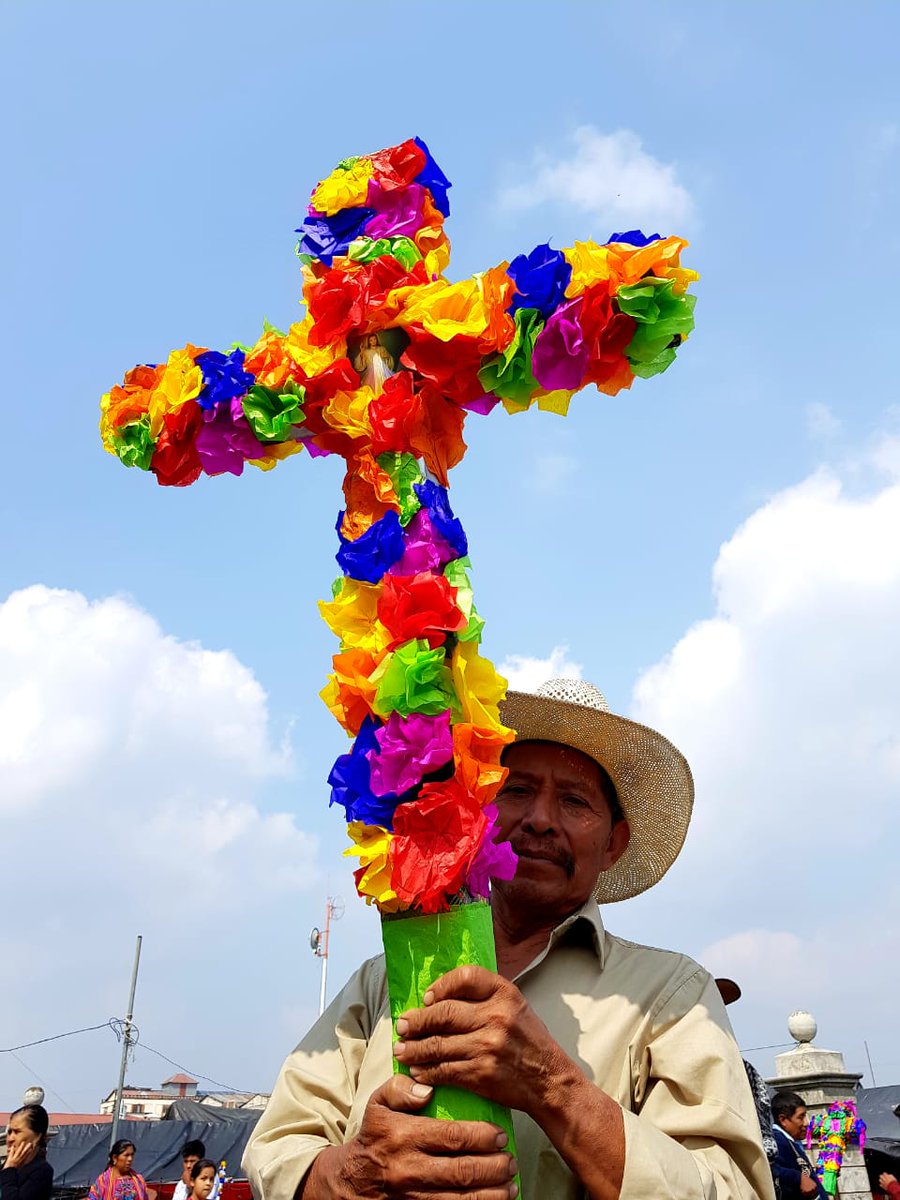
587,917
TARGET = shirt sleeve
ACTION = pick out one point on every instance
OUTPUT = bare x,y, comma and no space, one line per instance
694,1134
37,1184
310,1104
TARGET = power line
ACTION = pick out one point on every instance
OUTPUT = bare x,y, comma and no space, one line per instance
117,1025
110,1024
774,1046
43,1083
197,1074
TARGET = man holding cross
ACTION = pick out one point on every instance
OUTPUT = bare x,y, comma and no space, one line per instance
617,1059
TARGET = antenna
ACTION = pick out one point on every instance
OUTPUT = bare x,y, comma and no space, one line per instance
871,1068
318,942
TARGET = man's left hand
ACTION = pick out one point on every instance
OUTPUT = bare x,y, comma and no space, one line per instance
478,1032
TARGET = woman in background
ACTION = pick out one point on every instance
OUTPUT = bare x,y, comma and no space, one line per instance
119,1181
26,1174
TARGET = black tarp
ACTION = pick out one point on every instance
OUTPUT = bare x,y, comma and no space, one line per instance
877,1108
78,1153
193,1110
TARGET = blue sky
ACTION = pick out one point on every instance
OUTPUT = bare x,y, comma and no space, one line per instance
160,159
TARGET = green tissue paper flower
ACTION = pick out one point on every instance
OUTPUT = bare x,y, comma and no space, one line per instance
663,320
404,249
405,473
456,574
509,374
134,444
415,679
272,415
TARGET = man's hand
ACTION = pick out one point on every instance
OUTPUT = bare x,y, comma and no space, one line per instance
398,1154
808,1186
884,1179
478,1032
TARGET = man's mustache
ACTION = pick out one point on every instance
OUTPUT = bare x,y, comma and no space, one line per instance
551,851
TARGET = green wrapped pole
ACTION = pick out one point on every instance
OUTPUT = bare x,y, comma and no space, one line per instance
418,950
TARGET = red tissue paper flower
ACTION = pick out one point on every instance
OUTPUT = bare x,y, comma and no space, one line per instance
419,606
398,166
176,462
436,838
451,367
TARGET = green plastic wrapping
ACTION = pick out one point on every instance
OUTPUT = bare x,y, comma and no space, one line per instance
420,949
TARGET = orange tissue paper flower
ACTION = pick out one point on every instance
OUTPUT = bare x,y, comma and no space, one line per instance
349,692
476,753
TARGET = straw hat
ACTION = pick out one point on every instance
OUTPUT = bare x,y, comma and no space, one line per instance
652,779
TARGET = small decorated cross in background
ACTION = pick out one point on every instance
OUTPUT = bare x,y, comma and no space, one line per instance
832,1130
383,370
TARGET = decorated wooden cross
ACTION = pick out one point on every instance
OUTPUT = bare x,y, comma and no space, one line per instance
832,1130
383,370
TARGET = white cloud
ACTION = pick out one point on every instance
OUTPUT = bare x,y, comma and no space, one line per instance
787,706
821,423
526,674
610,176
139,747
133,769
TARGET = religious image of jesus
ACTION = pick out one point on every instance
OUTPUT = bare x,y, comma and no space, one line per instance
374,363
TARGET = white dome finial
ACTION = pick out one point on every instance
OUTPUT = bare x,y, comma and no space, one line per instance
802,1026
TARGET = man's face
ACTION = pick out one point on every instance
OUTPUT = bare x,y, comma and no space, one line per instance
554,812
795,1124
189,1160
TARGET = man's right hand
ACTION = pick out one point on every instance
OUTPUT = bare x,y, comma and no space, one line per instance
398,1154
808,1186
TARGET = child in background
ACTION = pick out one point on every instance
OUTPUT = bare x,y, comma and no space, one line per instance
203,1177
193,1152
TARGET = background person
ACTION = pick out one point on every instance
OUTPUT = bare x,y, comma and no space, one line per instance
120,1181
204,1176
26,1174
191,1153
795,1173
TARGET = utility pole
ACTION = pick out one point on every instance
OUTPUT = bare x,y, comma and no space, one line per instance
318,942
126,1044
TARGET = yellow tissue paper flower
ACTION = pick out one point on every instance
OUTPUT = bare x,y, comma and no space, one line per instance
276,452
348,412
373,880
343,188
479,687
474,307
181,381
352,616
312,360
590,265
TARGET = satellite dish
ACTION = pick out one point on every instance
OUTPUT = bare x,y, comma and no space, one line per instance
338,908
314,939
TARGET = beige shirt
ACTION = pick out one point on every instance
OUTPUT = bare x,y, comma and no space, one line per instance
647,1026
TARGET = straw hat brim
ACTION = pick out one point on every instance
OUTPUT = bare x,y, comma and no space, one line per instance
652,780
